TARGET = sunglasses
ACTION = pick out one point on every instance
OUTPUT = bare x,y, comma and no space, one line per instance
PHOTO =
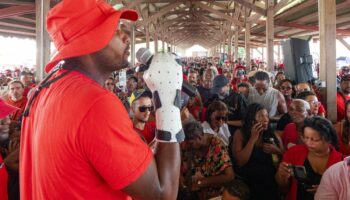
144,108
286,88
223,118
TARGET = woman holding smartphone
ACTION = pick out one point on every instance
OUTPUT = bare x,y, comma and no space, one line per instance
313,157
255,150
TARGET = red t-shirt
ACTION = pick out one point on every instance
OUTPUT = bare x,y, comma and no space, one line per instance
79,143
148,132
296,155
290,135
3,180
21,104
341,106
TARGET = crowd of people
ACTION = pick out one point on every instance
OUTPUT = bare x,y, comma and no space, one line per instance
249,133
244,131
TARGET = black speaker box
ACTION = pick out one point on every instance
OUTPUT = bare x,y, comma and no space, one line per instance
297,60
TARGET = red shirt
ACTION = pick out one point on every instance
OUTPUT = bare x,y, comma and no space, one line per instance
290,135
148,132
21,104
296,155
3,180
79,143
341,106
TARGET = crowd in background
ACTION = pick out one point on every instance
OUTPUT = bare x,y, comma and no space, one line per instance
250,133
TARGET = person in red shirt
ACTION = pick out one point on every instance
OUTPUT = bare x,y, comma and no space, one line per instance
27,78
77,140
343,131
141,107
5,111
16,99
318,153
343,95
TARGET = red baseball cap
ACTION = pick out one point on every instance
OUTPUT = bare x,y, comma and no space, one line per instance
6,109
82,27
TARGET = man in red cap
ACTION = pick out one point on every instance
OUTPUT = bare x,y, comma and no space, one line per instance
5,111
77,139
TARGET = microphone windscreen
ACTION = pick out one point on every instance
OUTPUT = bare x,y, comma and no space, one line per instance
143,55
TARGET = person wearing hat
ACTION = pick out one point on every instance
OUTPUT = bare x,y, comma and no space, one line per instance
77,140
343,95
235,102
141,107
5,111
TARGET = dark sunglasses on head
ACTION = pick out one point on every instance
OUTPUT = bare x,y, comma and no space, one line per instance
223,118
144,108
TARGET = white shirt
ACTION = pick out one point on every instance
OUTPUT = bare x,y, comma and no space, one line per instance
224,133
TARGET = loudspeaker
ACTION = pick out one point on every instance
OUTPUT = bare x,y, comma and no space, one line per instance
297,60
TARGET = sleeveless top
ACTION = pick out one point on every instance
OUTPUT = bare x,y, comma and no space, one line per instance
269,99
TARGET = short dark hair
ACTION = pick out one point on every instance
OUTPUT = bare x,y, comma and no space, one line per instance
243,84
345,78
238,188
304,94
133,77
324,127
15,81
193,129
262,76
214,106
286,80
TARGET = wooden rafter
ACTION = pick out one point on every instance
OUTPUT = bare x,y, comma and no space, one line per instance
16,10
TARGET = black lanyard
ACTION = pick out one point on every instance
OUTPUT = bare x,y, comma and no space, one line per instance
44,84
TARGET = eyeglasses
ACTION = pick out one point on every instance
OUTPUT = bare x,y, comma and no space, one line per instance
144,108
285,88
223,118
316,103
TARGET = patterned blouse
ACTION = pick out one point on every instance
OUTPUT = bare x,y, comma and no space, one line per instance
214,163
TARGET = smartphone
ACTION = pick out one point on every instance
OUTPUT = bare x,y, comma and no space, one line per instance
300,174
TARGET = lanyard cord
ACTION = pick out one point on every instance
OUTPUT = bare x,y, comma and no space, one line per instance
44,84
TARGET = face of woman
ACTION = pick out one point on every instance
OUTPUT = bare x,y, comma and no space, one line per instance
314,104
262,116
297,112
314,142
218,118
286,89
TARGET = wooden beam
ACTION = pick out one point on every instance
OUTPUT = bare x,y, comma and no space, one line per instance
252,6
220,14
16,10
280,5
327,20
347,45
309,27
2,30
270,34
236,43
28,27
42,38
13,2
24,19
158,14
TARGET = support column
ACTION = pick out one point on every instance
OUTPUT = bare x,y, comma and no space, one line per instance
147,36
229,45
279,52
236,44
247,45
155,42
270,35
42,7
327,29
163,44
132,46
